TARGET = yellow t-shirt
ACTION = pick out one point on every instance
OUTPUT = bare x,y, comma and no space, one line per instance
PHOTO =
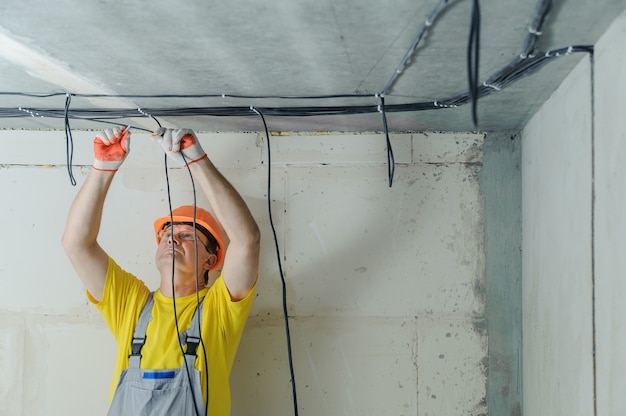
222,323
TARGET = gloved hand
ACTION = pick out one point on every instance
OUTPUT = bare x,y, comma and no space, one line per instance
181,145
110,148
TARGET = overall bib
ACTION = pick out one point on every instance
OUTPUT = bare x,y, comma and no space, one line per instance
142,392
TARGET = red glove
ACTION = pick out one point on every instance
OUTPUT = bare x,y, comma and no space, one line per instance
110,148
178,143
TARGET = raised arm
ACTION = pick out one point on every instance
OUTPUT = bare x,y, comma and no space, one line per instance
241,262
83,222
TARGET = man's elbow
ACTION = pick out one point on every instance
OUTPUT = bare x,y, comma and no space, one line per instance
255,236
72,243
67,242
251,241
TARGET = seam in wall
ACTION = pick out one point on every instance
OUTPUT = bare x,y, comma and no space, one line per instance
593,204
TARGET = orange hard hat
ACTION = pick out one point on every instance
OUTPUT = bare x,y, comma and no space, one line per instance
205,223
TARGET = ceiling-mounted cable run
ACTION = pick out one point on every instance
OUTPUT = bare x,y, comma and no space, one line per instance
525,63
411,52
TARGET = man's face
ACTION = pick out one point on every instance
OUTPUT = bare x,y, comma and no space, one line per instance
178,243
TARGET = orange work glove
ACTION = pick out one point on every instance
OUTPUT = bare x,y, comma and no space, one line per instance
181,145
110,148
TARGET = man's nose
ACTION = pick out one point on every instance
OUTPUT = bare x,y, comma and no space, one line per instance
173,239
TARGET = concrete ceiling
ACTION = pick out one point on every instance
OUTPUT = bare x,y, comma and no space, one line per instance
287,48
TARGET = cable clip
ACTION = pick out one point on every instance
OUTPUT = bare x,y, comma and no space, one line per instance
143,112
32,113
534,31
495,87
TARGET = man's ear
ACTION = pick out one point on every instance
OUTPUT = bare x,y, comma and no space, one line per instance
210,262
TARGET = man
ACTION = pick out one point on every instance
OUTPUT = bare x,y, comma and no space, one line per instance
166,364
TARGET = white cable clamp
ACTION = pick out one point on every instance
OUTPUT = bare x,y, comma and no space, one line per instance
495,87
143,112
534,31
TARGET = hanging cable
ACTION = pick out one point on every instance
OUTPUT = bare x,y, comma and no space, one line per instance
280,267
473,49
391,162
206,365
180,343
69,140
195,246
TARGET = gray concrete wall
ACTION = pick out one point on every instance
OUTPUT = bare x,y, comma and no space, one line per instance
501,185
609,220
385,286
573,200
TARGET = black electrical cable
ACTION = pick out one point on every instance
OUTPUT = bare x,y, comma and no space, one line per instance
535,29
391,162
180,343
280,267
527,62
473,59
409,55
160,96
195,244
69,140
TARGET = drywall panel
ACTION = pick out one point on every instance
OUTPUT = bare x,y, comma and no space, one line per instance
610,224
34,205
357,247
325,148
556,252
342,366
66,354
12,359
451,366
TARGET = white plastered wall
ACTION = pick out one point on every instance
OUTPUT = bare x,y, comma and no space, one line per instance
573,243
385,286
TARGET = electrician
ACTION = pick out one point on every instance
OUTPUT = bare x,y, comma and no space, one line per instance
164,364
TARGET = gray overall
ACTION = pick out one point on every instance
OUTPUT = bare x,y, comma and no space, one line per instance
142,392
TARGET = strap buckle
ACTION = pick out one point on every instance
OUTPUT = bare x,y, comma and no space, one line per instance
136,346
192,344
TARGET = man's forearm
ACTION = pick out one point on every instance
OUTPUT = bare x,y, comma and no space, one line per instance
83,222
230,208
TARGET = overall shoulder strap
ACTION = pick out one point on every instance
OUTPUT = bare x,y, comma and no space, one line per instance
139,337
192,336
